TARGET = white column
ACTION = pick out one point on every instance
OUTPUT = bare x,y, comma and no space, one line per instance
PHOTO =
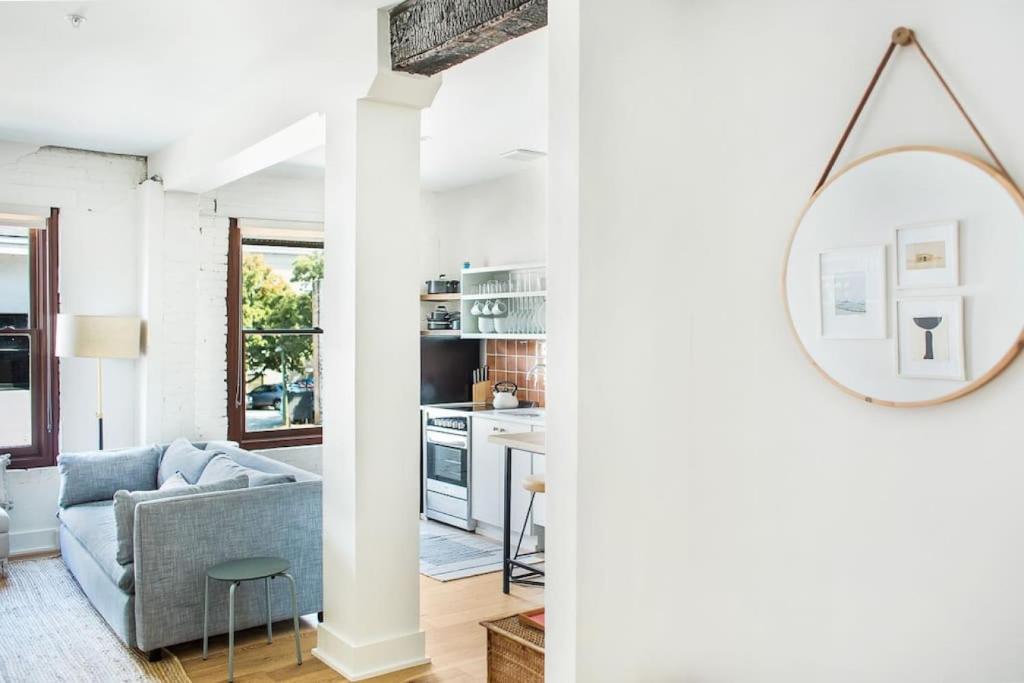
563,339
149,408
371,381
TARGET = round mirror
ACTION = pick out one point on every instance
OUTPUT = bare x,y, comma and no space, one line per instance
905,276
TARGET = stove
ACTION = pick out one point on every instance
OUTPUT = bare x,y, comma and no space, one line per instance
447,462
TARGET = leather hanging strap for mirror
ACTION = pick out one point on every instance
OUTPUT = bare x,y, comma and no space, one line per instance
902,37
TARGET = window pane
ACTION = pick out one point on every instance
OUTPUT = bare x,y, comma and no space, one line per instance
282,381
15,289
15,391
281,287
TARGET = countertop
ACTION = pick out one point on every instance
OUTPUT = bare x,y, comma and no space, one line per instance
526,416
532,442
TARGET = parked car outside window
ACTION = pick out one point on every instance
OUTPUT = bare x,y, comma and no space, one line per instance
265,396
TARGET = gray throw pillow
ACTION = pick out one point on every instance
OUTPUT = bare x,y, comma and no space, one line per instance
182,456
125,502
88,477
223,467
176,482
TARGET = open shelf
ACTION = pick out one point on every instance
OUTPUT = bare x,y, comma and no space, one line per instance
503,295
440,333
451,296
518,276
495,335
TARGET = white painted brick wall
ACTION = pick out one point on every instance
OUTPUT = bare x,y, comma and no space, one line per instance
196,245
97,196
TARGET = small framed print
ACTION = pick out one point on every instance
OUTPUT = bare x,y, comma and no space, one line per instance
930,338
928,255
852,293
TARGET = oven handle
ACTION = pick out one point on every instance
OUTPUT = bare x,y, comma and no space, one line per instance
443,439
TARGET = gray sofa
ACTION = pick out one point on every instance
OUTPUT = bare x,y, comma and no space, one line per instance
156,599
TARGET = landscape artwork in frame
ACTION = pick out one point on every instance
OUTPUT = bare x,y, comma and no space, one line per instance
852,293
930,338
928,255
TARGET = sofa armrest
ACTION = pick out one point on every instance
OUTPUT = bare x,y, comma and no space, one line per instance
178,539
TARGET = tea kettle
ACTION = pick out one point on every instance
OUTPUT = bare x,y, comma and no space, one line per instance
505,395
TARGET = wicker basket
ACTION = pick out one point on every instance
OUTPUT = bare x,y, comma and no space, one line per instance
515,653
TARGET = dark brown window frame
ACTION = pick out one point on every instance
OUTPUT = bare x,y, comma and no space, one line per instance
278,438
44,370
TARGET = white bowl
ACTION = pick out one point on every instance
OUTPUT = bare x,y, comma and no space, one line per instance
486,325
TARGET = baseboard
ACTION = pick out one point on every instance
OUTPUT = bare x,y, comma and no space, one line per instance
358,663
32,542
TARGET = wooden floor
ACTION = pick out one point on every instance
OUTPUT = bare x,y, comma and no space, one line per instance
450,615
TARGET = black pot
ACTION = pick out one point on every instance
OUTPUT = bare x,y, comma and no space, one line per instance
439,314
442,285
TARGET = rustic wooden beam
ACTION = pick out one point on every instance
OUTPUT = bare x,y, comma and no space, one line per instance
429,36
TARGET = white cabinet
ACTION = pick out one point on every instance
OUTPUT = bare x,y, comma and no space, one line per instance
488,474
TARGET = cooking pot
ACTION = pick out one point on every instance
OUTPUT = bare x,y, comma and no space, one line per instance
439,314
442,285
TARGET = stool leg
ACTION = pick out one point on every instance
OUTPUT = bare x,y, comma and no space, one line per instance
231,632
206,619
270,631
525,520
295,619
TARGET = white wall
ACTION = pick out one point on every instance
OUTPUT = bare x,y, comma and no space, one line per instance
500,221
775,529
96,196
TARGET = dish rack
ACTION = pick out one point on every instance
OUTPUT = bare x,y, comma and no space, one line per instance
504,302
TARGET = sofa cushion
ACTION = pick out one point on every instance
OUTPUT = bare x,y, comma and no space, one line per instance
182,456
262,463
125,502
92,525
95,476
223,467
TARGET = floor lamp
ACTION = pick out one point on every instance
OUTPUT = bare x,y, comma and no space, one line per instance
99,337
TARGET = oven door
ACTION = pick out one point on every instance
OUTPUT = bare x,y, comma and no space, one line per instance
447,460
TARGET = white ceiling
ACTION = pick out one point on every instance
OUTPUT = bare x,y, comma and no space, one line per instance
139,75
493,103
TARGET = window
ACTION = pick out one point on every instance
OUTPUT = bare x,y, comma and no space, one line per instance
274,281
28,366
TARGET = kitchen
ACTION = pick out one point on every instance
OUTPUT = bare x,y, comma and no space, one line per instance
466,481
483,308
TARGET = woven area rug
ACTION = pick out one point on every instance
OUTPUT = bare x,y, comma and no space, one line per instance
50,632
447,554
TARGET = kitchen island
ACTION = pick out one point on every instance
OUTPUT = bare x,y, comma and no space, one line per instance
533,443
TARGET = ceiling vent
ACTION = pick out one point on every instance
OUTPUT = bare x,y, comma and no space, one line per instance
523,155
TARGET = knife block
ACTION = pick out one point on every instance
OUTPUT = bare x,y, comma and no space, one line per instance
482,392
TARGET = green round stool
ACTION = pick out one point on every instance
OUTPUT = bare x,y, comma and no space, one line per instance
235,572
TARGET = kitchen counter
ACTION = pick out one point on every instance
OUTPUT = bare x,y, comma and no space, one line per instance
531,442
527,416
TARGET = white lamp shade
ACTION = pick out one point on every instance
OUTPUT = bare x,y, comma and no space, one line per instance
98,336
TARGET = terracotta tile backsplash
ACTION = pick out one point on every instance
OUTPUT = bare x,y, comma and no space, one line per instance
510,360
